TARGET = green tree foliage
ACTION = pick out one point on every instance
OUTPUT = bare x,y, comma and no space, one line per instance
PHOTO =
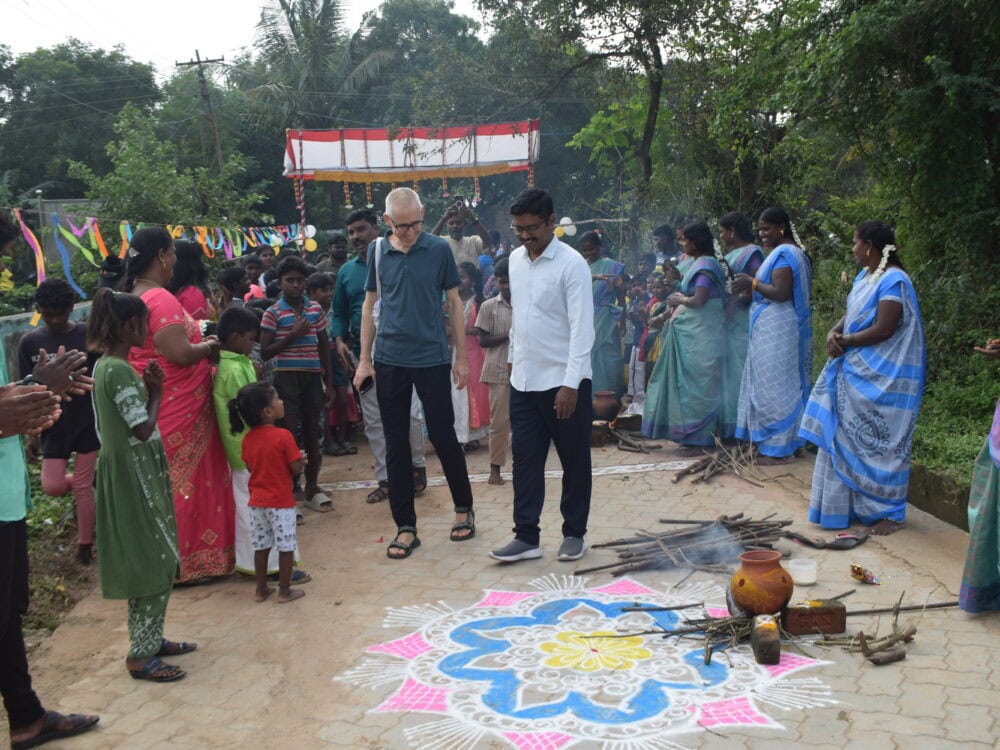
146,185
59,104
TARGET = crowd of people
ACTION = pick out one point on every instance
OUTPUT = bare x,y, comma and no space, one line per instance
206,413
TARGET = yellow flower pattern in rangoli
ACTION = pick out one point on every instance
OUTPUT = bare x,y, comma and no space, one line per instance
588,652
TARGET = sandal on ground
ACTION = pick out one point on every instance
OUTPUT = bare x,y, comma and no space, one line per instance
407,548
298,576
78,724
336,450
175,648
349,448
468,524
299,519
157,671
419,479
319,502
378,494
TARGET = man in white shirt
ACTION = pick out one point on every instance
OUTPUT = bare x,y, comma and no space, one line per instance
550,400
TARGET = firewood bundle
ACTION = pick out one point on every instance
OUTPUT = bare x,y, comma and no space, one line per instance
708,545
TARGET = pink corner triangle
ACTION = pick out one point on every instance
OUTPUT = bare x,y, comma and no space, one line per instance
790,663
503,598
733,712
415,696
625,586
408,648
537,740
717,611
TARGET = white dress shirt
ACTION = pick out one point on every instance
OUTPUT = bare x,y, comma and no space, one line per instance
553,322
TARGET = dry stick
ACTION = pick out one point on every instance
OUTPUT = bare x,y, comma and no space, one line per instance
907,608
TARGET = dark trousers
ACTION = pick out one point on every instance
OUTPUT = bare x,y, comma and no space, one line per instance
302,393
23,706
394,387
534,426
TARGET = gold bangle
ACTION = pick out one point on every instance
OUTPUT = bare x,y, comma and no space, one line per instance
753,285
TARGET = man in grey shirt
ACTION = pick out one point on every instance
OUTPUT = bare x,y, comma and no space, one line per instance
408,272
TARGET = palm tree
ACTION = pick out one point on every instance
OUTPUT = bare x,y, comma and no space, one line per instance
309,69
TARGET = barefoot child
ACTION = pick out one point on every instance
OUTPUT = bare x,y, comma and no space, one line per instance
274,459
74,432
493,327
138,556
238,330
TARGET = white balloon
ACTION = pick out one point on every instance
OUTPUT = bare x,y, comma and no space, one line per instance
310,231
570,230
565,220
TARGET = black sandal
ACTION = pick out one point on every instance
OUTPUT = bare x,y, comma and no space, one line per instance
469,523
157,671
419,479
50,730
175,648
378,494
407,548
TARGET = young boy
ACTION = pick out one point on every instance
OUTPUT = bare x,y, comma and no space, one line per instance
75,431
493,327
233,287
254,268
238,331
320,288
293,333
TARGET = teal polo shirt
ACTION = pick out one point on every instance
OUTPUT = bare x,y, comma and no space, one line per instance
348,300
15,492
411,322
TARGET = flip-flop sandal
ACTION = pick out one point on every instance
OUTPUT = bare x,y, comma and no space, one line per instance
469,523
158,671
175,648
337,450
378,494
319,503
419,479
407,548
349,448
298,576
79,724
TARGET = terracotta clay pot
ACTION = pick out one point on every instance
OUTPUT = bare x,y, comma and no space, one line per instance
760,585
605,405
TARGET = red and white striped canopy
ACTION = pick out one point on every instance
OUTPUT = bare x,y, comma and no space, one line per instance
384,155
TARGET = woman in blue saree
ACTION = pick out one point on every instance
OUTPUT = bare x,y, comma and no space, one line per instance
981,578
864,406
684,395
744,257
609,297
778,371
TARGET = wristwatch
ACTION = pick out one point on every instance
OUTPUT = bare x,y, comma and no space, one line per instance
29,380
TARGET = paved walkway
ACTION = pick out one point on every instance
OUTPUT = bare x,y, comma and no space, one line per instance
450,650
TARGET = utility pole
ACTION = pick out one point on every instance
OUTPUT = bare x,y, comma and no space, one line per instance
198,62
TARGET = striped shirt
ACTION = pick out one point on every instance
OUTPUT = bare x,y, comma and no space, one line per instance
495,318
303,354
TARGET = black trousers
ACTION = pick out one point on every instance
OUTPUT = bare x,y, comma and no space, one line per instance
394,388
534,426
23,706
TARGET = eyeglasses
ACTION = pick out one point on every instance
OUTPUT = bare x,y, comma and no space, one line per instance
413,225
527,229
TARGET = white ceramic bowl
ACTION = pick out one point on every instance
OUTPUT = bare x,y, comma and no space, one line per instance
803,570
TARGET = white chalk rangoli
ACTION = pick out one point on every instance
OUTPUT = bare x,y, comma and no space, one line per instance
545,669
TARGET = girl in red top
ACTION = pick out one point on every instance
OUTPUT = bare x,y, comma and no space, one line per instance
273,459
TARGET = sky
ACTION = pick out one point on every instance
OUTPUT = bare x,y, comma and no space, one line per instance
160,33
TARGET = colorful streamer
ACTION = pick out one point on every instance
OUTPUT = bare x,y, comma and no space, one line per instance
64,254
32,241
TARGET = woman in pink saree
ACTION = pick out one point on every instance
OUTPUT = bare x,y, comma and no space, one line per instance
199,471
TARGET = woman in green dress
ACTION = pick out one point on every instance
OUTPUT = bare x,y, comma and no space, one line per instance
137,555
742,256
684,395
609,301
